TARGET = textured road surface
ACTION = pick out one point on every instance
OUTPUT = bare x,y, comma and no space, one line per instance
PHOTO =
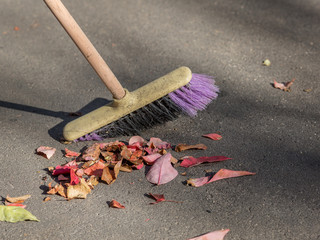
265,130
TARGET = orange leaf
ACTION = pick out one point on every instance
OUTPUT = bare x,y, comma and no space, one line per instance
96,169
182,147
20,199
115,204
70,154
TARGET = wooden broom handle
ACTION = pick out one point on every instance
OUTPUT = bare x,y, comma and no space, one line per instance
86,47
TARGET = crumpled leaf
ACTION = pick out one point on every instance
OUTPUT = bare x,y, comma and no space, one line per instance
81,190
61,177
162,171
110,175
92,152
115,204
45,151
57,189
158,143
19,199
191,161
15,214
96,169
283,86
71,154
213,136
182,147
216,235
221,174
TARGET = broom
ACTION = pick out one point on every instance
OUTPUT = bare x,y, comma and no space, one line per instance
163,99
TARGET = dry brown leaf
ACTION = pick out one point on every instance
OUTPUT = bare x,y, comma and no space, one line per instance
81,190
183,147
92,152
20,199
92,181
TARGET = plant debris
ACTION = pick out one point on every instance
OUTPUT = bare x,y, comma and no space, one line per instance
283,86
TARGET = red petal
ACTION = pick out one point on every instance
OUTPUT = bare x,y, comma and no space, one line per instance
216,235
162,171
213,136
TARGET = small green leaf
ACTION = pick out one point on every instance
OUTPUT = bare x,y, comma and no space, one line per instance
15,214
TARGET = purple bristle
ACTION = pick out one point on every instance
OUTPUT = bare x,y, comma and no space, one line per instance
90,137
196,95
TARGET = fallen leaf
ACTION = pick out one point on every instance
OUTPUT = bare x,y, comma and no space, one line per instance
213,136
71,154
20,199
96,169
57,189
92,152
81,190
283,86
183,147
110,175
15,204
183,174
191,161
92,181
16,28
125,168
115,204
74,179
46,199
45,151
216,235
161,171
158,143
151,158
160,198
138,167
15,214
221,174
136,140
307,90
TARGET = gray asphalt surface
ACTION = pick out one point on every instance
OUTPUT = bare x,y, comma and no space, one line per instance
265,130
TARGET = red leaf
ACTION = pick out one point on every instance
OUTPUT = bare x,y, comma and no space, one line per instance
216,235
162,171
137,141
213,136
157,197
221,174
191,161
115,204
138,167
92,152
61,170
15,204
96,169
70,154
61,177
74,179
46,152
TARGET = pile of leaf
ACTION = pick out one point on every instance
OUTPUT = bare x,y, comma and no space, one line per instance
102,162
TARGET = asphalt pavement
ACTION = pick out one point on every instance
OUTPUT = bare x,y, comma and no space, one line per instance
265,130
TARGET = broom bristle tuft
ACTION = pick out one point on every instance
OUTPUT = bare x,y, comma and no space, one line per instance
189,99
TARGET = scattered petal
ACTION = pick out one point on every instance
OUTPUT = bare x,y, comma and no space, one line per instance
162,171
213,136
158,143
115,204
221,174
45,151
183,147
216,235
191,161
